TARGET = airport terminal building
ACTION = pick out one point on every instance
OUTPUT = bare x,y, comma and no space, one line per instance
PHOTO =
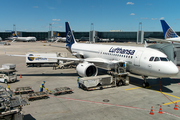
84,36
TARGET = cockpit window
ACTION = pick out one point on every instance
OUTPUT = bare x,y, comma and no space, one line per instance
151,59
156,59
164,59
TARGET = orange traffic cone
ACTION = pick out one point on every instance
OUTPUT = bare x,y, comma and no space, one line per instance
151,112
20,76
160,110
176,108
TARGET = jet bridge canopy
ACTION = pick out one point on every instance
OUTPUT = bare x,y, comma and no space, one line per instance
172,50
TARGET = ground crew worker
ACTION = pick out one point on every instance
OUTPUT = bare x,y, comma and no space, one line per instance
42,86
78,82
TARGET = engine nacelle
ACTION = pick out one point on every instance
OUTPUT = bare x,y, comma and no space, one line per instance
86,69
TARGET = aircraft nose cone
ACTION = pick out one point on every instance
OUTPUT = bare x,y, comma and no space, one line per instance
173,70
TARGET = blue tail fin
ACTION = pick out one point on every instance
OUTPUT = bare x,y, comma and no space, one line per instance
69,36
168,32
14,34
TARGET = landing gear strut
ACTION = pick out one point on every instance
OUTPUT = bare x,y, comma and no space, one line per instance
145,83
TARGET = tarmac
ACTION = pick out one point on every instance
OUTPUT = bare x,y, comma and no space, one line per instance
132,102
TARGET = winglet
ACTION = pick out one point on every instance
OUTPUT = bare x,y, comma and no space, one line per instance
145,44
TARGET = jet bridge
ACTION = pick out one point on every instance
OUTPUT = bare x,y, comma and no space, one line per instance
172,50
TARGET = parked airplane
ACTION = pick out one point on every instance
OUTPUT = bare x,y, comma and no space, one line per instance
169,34
24,39
59,38
140,60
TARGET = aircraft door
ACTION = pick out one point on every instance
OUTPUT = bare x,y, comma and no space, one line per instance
137,58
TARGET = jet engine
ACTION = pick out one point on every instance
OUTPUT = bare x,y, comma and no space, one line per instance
86,69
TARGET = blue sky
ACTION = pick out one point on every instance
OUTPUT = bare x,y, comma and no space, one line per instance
106,15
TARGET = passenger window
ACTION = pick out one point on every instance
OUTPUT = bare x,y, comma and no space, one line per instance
151,59
156,59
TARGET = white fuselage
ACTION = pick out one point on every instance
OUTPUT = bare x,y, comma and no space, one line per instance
176,39
24,38
137,58
61,39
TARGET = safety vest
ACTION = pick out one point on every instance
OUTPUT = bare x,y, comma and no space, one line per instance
78,79
41,86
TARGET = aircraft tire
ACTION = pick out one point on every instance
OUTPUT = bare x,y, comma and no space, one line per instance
120,83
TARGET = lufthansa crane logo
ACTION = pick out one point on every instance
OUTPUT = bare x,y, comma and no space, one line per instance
57,34
13,34
69,37
31,58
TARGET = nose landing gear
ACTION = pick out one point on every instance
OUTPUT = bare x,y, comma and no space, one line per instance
145,83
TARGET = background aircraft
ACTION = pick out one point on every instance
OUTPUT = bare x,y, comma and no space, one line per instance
59,38
169,34
23,39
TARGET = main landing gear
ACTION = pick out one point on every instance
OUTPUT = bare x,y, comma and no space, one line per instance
145,83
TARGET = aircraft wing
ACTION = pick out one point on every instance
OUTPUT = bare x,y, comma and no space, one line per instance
157,40
100,60
91,60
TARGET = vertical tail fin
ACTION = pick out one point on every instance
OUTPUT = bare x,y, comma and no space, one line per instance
14,34
58,34
69,36
168,32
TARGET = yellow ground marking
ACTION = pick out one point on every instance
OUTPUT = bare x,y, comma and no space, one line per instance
34,51
159,92
133,88
168,94
171,102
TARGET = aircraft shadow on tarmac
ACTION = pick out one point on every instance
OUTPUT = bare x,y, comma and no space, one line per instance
155,84
28,117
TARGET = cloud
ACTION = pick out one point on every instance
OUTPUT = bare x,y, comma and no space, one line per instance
154,19
161,18
35,7
54,23
144,18
132,14
129,3
51,7
55,19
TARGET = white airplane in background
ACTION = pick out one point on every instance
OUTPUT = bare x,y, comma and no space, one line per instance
59,38
140,60
23,39
169,34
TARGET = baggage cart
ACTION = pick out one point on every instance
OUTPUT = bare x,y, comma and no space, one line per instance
62,90
23,90
37,95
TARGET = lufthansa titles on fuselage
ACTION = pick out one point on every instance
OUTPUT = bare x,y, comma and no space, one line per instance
122,51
